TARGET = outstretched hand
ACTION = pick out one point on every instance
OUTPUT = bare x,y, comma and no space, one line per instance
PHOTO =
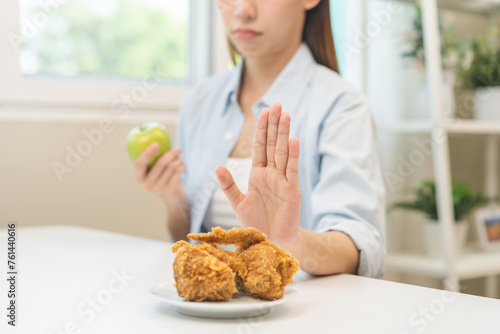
272,203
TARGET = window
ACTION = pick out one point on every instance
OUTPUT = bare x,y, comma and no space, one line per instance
62,54
111,38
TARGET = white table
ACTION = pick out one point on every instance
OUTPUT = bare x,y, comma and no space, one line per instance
60,267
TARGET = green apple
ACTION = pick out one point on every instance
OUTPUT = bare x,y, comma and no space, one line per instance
140,137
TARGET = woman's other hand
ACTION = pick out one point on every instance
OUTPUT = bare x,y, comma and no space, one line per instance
163,178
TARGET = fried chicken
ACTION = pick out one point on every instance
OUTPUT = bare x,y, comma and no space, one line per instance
200,275
238,236
230,258
258,267
270,270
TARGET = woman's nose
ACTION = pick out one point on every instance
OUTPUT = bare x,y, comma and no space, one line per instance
245,10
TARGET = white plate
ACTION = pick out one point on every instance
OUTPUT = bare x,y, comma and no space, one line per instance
240,305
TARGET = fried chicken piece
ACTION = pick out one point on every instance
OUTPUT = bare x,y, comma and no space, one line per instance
238,236
270,270
230,258
207,272
199,275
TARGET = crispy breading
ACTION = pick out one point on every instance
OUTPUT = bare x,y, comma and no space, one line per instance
270,270
230,258
178,245
258,267
200,275
238,236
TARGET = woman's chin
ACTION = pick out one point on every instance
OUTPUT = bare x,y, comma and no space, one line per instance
251,53
259,50
248,48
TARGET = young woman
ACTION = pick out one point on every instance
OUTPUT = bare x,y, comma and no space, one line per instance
323,203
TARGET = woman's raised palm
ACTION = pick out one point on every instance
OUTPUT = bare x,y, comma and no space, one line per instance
272,203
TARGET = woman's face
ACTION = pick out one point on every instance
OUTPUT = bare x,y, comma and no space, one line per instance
261,28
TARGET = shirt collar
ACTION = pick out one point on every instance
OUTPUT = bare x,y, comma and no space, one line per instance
286,89
233,83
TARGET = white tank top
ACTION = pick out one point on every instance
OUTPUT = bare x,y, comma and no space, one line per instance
219,212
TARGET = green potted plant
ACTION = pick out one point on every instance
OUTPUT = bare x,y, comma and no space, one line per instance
450,52
480,72
465,200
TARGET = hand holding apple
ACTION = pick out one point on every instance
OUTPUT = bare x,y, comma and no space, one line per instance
157,167
164,180
142,136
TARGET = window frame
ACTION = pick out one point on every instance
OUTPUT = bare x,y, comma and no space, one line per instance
17,91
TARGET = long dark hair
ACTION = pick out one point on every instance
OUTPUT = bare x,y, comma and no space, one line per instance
317,35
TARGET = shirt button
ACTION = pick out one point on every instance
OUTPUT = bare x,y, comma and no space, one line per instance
208,184
228,135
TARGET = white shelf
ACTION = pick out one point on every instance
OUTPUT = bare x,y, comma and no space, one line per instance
476,6
471,264
458,126
485,7
450,267
474,127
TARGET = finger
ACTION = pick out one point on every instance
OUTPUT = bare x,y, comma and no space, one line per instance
292,167
160,165
259,158
174,182
176,178
227,184
281,154
272,133
168,173
141,164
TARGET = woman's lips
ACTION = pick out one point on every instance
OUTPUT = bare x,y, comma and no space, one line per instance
247,33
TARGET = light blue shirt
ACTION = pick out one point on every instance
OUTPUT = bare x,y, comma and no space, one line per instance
339,171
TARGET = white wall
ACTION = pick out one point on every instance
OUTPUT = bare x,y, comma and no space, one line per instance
101,192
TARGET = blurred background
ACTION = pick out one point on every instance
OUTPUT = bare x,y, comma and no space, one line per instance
77,76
